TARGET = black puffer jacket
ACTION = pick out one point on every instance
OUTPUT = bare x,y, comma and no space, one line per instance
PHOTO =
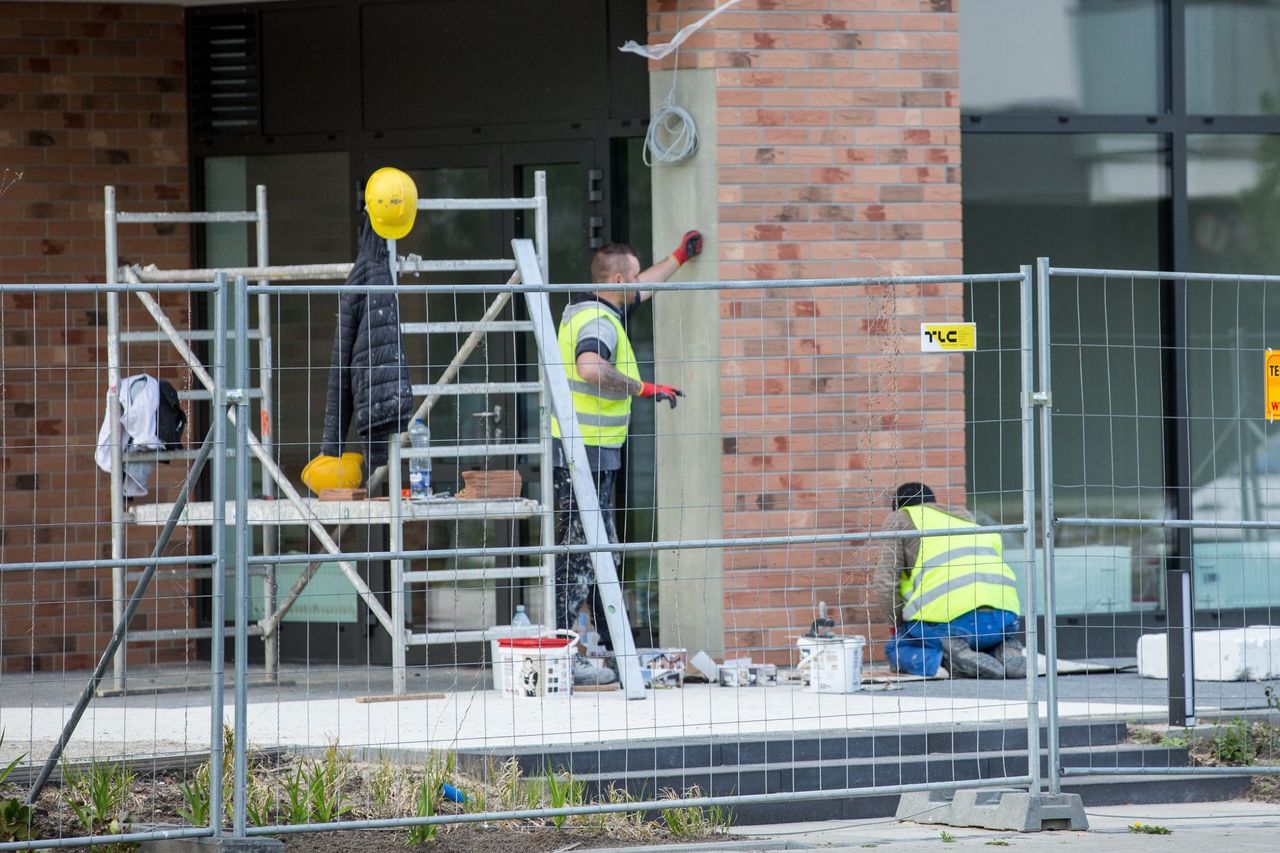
368,374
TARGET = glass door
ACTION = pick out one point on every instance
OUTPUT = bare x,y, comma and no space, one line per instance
478,418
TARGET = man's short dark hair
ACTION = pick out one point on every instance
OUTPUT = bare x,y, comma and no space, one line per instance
913,494
609,259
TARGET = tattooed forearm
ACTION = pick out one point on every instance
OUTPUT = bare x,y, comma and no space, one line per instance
609,379
597,371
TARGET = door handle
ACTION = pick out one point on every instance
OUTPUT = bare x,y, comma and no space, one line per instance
492,423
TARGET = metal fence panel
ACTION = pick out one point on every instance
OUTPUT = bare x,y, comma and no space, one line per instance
764,511
1157,496
91,760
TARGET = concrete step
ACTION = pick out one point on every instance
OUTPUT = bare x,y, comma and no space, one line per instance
1172,788
1098,791
834,774
673,754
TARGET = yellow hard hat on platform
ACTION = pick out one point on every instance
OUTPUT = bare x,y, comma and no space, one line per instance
391,197
332,472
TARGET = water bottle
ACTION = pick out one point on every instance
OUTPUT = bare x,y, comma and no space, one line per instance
521,618
419,466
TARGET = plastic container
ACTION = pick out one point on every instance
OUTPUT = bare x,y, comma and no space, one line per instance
419,466
521,618
835,665
535,666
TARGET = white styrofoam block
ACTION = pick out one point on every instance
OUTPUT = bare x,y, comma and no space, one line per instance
1233,654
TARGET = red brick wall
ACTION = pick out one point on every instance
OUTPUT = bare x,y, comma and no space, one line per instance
90,95
838,155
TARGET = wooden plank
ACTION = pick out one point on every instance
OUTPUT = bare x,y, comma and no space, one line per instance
407,697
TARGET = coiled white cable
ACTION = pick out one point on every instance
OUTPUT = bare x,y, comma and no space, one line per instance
672,136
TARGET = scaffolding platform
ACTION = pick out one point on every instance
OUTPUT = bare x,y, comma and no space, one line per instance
282,512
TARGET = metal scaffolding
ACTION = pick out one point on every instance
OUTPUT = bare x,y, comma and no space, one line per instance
328,520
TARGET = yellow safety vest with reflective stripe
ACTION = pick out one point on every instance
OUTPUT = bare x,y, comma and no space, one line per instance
603,416
957,573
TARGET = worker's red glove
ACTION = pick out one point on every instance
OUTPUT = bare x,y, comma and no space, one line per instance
690,247
660,393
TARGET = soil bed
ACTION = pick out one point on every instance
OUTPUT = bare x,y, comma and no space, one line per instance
469,839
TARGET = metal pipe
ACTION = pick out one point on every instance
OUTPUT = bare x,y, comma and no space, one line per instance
476,203
118,580
1175,523
190,633
656,287
1046,520
121,625
546,476
643,806
412,265
362,589
541,227
1086,272
218,536
205,285
192,217
267,425
123,838
72,565
243,542
667,545
399,636
1026,311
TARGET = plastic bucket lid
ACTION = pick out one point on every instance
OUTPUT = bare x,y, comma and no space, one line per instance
535,642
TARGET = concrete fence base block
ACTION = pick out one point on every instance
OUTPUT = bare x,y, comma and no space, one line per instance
995,808
213,845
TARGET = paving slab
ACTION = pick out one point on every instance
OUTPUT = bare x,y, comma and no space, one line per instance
1241,827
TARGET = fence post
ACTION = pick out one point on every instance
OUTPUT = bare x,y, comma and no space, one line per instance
242,537
217,609
1045,394
1029,403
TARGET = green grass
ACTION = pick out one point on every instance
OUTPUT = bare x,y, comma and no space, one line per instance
424,806
695,821
1149,828
15,815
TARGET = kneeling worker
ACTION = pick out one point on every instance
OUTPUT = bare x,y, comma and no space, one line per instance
952,597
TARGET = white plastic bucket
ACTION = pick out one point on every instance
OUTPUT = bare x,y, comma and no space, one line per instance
535,666
835,665
499,632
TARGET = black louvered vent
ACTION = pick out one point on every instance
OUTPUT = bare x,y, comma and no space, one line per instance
225,68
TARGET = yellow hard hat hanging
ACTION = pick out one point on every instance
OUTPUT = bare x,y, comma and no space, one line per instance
391,197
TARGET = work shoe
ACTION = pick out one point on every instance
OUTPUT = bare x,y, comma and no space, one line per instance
1010,654
964,661
587,673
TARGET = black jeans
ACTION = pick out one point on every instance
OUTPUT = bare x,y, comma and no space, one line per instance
575,574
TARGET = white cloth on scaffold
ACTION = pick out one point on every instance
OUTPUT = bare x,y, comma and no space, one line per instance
139,404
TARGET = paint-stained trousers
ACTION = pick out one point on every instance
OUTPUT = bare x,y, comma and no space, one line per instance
575,574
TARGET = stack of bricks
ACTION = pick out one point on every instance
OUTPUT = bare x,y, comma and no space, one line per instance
90,95
838,147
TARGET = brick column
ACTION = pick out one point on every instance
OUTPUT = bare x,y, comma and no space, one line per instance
836,154
90,94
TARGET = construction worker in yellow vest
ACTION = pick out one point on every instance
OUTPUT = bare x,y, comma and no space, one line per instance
952,598
603,377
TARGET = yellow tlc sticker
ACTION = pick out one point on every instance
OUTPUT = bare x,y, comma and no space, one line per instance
948,337
1273,385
